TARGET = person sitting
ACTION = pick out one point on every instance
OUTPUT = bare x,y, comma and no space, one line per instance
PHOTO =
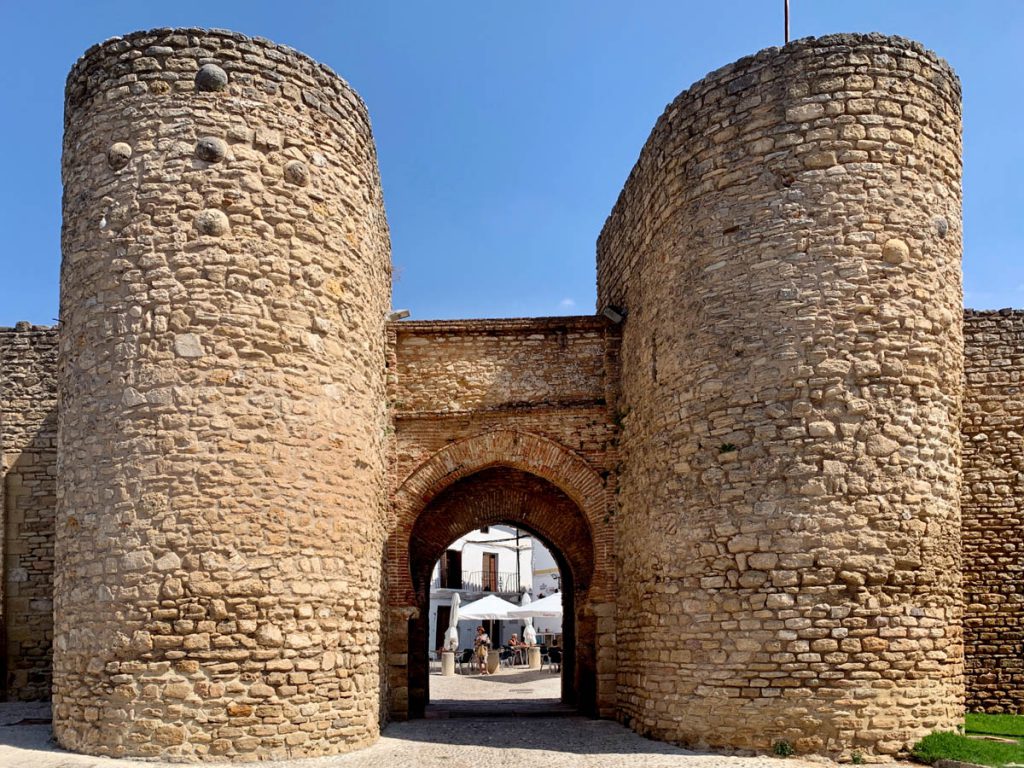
481,645
517,647
505,656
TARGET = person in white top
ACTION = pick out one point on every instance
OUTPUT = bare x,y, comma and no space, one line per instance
481,644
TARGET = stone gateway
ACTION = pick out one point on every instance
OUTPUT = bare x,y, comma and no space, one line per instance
780,467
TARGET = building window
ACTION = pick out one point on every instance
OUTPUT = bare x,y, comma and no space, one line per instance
451,570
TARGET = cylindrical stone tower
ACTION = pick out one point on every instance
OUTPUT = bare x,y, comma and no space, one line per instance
787,253
224,287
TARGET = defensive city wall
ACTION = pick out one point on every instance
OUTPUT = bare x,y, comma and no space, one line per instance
780,467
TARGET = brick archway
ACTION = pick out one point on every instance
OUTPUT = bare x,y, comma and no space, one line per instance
505,495
527,451
503,476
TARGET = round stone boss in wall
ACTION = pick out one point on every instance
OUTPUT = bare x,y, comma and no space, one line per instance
789,537
221,479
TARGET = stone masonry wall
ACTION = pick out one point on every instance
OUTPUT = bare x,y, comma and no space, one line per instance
460,366
787,253
553,378
993,510
28,470
221,499
549,376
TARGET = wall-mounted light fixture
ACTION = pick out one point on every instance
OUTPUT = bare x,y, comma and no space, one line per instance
398,314
615,314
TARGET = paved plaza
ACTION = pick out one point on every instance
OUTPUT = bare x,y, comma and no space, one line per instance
453,738
513,692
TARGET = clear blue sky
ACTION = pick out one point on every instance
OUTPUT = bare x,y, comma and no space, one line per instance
506,130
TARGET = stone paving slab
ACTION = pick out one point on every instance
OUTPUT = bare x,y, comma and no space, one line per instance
463,742
536,742
568,742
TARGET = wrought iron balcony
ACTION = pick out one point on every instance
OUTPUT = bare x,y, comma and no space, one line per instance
485,581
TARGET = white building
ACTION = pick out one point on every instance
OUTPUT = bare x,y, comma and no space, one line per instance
546,580
497,560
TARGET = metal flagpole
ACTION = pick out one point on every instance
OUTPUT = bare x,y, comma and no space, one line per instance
787,20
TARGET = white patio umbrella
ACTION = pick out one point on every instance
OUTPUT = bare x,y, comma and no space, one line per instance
549,607
529,633
451,636
491,607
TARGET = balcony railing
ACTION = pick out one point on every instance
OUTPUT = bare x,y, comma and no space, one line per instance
484,581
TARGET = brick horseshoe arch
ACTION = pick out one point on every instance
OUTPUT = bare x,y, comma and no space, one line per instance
462,462
527,451
499,495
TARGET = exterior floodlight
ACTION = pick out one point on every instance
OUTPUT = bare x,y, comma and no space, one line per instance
398,314
613,313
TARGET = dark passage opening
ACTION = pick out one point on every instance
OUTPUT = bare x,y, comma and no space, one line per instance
505,496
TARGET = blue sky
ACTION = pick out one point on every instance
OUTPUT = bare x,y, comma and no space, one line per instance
506,130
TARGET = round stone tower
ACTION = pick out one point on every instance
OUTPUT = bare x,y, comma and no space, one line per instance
787,253
224,287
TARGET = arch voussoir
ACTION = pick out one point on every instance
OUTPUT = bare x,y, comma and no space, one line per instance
526,451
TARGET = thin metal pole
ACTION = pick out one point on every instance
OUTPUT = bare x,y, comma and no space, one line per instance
519,558
787,21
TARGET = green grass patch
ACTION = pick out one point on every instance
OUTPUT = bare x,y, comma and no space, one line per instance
996,725
953,746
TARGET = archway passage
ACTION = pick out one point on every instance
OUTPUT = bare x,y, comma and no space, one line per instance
494,496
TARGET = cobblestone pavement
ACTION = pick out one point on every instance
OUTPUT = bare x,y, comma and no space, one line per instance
557,742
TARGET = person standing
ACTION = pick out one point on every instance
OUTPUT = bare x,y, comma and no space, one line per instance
481,644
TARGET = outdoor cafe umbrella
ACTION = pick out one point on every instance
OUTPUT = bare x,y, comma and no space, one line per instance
451,637
529,633
549,607
491,607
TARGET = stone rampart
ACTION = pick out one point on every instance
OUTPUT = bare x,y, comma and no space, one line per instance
787,255
28,471
224,292
993,510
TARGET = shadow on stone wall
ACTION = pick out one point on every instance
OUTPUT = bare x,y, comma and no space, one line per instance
29,509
